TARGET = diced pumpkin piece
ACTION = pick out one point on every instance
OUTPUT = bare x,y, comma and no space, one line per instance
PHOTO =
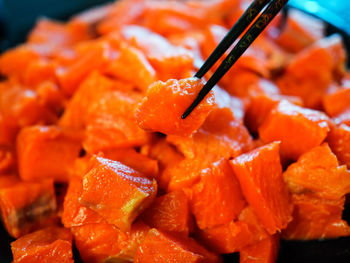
318,171
312,71
95,57
21,106
299,31
90,90
111,123
47,152
264,251
261,105
103,242
75,214
26,206
162,247
256,227
132,66
169,61
130,157
227,238
339,141
39,71
337,105
118,193
49,245
260,175
164,152
217,198
165,102
316,218
15,61
184,174
337,102
167,157
221,136
169,212
224,100
299,129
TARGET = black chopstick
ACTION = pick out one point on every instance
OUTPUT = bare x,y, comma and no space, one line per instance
242,23
254,31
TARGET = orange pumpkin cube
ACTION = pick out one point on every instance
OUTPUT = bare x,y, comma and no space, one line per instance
227,238
260,175
103,242
311,72
316,218
339,141
132,66
26,206
75,214
116,192
165,102
96,57
49,245
337,105
217,198
169,212
169,61
130,157
162,247
260,107
317,171
111,123
299,129
47,152
91,89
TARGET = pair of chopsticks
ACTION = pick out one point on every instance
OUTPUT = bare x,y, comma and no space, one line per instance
253,32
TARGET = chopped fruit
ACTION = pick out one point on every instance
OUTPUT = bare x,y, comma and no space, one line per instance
221,136
49,245
168,60
227,238
311,72
316,218
260,175
318,171
162,247
47,152
299,129
116,192
170,213
165,102
131,66
337,105
103,242
75,214
339,141
130,157
93,87
260,107
217,198
26,206
110,123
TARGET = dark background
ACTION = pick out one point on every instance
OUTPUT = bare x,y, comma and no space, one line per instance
18,16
